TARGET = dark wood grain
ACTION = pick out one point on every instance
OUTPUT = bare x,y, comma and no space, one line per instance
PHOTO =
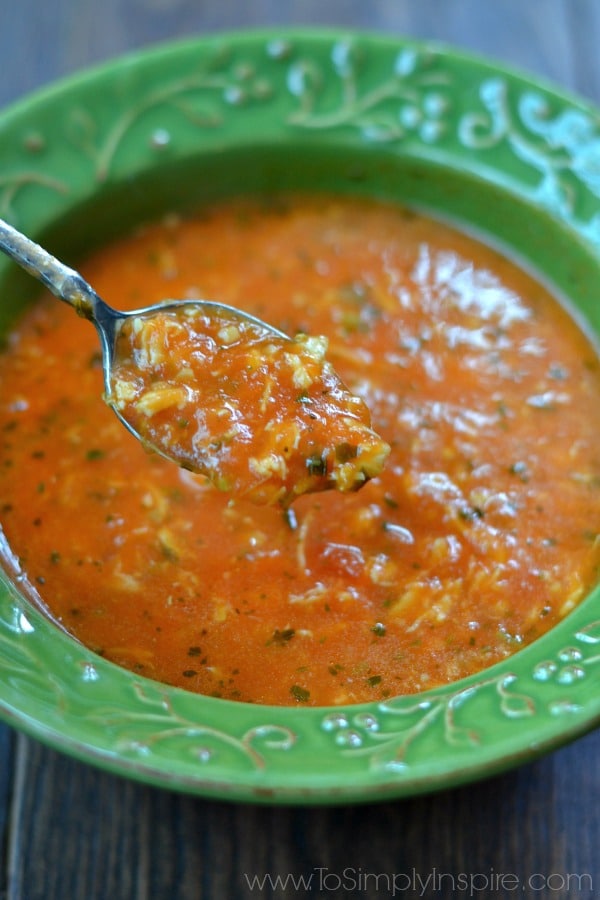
41,41
104,837
71,832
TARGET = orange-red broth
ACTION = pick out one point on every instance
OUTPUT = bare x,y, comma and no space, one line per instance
478,537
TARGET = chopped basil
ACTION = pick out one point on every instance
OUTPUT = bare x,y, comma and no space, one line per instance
345,452
299,693
280,637
316,464
471,513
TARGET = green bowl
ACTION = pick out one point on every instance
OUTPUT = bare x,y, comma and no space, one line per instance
505,157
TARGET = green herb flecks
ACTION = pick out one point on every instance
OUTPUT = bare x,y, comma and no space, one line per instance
280,637
316,464
299,693
344,452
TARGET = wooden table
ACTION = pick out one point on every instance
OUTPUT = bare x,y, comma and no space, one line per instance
70,832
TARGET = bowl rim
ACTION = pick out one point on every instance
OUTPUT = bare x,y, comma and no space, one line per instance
440,110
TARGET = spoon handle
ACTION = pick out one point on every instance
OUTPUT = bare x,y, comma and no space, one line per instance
63,282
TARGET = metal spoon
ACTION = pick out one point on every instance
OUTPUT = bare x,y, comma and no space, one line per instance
68,285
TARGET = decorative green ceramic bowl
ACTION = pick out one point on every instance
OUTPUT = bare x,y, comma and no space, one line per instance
460,137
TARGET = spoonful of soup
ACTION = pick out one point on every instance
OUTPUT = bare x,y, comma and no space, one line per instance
220,392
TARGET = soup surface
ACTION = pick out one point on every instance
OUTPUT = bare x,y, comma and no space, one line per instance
479,535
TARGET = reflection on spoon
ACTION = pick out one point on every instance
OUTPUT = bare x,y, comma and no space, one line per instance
221,392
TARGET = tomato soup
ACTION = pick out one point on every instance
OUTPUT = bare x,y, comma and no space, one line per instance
477,537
